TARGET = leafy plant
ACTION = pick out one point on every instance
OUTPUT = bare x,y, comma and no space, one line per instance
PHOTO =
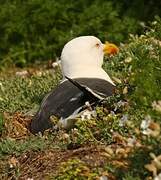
74,169
37,30
19,93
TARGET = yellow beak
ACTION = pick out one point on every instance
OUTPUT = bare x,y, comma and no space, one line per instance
110,49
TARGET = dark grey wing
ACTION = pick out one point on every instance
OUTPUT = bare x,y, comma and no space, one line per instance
85,89
98,86
61,102
67,98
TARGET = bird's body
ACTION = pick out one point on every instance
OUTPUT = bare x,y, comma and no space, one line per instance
66,99
84,80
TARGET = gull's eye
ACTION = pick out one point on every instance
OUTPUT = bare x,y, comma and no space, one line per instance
97,45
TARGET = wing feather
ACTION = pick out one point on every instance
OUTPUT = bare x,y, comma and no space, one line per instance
69,96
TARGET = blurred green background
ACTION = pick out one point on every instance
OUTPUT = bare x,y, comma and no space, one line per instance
36,30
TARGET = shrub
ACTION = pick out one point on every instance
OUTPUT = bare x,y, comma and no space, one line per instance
37,29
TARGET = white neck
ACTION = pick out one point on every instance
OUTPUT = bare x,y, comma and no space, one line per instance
84,72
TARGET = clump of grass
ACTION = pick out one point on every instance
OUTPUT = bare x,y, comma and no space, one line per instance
99,129
24,93
10,146
131,177
138,66
74,169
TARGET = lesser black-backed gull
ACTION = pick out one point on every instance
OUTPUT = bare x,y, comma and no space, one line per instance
84,80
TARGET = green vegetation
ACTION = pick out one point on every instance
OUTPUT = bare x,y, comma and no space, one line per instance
19,93
141,60
120,142
74,169
122,139
10,146
36,30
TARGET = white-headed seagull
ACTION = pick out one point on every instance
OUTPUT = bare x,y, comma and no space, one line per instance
84,80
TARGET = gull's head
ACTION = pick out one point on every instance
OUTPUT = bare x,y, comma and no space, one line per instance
83,57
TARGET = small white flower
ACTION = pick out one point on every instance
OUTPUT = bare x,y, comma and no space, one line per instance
112,113
146,122
119,104
88,114
11,165
145,125
123,120
111,130
87,104
128,60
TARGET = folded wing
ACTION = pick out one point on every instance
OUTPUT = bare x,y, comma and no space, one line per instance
69,96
